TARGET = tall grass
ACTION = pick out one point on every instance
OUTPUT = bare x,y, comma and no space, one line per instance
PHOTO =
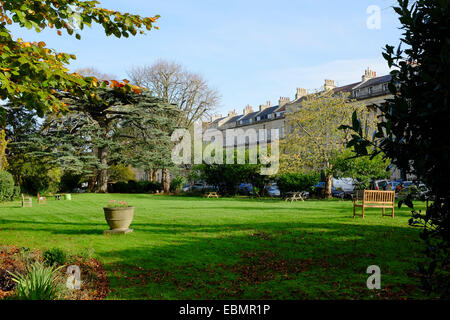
38,283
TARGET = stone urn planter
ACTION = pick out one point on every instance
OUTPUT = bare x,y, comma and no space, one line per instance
119,218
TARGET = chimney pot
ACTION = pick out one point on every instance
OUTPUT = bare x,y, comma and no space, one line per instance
301,92
329,84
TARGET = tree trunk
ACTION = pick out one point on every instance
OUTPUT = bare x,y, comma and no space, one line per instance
166,180
150,175
328,185
92,181
102,182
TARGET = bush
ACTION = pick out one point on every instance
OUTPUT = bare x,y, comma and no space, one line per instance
16,193
54,256
177,183
292,182
121,173
39,283
135,187
7,189
41,180
69,182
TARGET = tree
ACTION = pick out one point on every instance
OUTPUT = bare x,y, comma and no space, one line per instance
172,83
93,72
31,73
314,139
413,130
113,128
360,169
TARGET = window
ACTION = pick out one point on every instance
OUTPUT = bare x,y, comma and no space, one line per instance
262,135
282,132
356,93
269,133
370,90
269,116
385,87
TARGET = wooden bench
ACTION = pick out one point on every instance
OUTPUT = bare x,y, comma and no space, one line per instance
26,202
294,196
41,200
212,195
374,199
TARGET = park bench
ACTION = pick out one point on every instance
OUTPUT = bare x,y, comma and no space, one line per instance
294,196
212,195
26,202
374,199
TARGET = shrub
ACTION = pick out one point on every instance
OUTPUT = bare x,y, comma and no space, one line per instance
54,256
297,181
121,173
16,193
39,283
69,182
7,189
41,180
177,183
135,187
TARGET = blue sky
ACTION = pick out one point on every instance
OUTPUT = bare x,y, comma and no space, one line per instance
250,51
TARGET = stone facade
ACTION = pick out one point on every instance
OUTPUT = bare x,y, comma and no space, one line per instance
370,90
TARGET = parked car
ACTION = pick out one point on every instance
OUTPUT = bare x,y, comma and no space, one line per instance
381,185
273,191
245,188
186,188
337,193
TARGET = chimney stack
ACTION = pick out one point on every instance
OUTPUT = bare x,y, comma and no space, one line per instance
264,106
248,109
283,101
301,92
369,74
232,113
329,85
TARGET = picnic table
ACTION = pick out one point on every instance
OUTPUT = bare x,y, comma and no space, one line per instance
294,196
212,195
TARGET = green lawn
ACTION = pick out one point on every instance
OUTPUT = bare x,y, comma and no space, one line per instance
192,248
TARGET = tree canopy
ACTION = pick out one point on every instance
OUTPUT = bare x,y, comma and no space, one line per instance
126,128
174,84
31,73
314,138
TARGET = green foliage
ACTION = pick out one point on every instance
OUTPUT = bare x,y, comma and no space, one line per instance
121,173
39,283
315,138
70,181
291,182
361,169
128,128
177,183
135,187
7,189
31,73
413,131
39,178
54,256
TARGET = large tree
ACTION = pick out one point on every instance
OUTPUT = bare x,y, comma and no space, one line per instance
31,73
174,84
414,127
106,128
314,138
